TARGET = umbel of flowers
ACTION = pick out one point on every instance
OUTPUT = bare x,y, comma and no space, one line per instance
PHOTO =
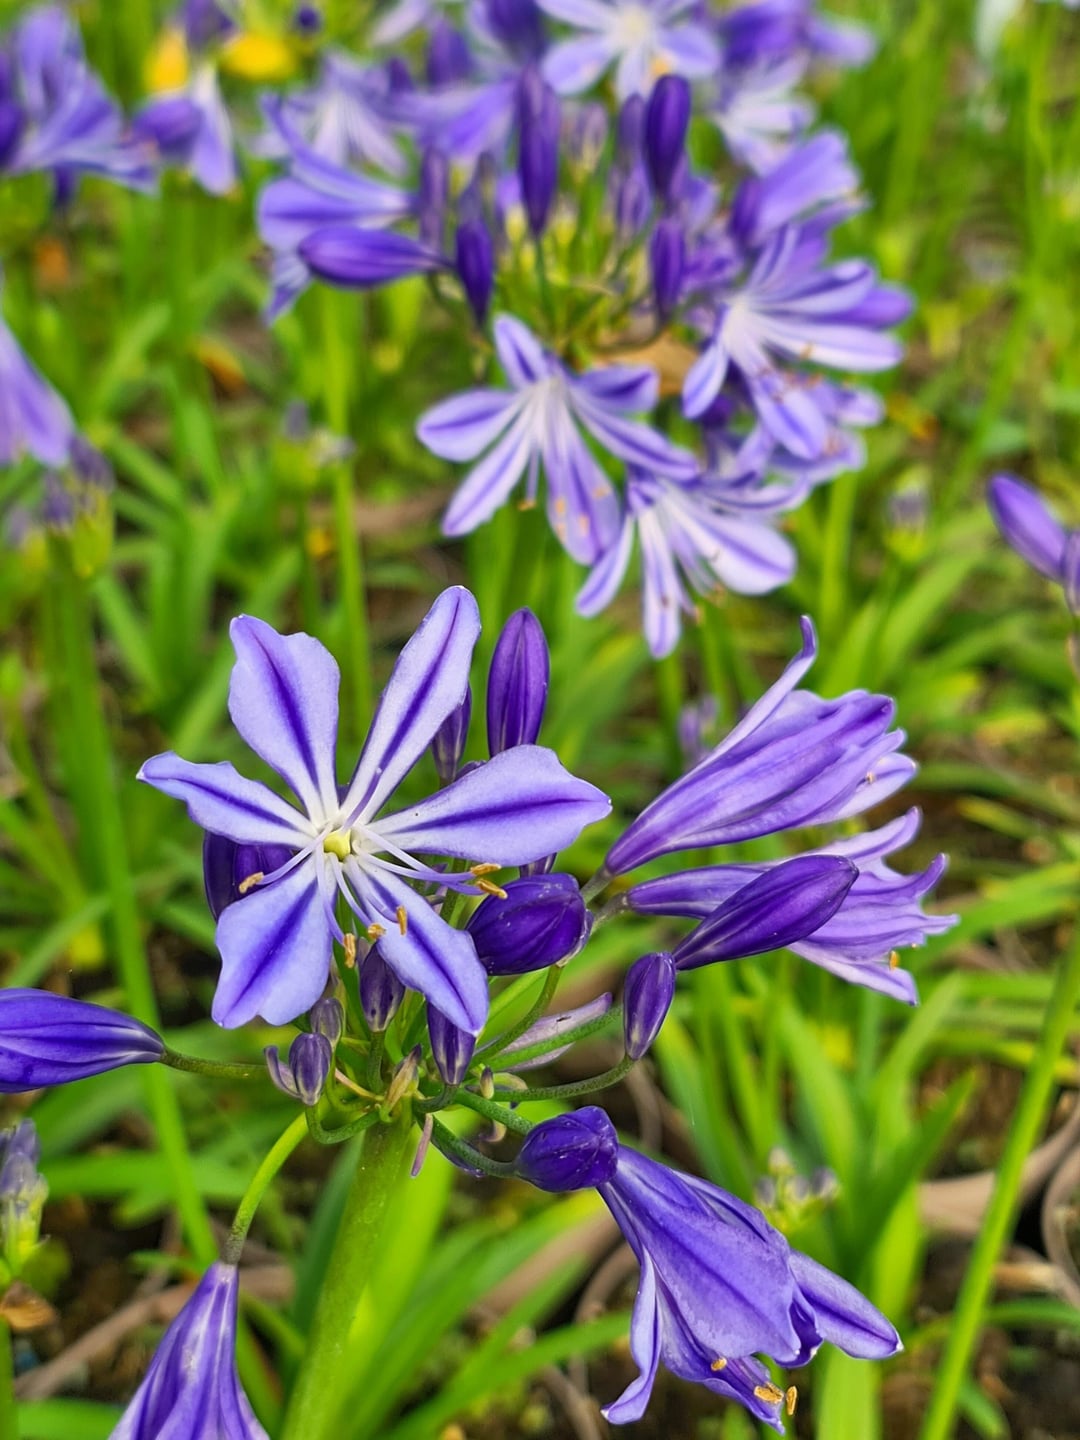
378,926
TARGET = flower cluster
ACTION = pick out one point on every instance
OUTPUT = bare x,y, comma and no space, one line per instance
366,919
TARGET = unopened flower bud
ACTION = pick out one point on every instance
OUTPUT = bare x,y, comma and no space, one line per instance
542,921
667,117
23,1193
448,744
448,55
667,258
474,259
451,1047
517,683
650,989
434,192
381,992
50,1039
404,1077
305,1072
631,201
538,147
571,1152
327,1017
630,129
231,870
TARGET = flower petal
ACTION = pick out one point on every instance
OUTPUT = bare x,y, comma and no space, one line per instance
221,800
843,1316
428,682
465,425
645,1348
283,699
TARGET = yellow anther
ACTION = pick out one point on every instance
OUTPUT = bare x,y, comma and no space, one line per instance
487,867
250,882
339,843
770,1393
402,920
718,1364
490,888
375,932
894,959
526,505
791,1399
349,946
560,506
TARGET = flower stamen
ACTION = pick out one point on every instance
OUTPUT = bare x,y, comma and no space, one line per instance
718,1364
770,1393
250,882
402,920
791,1399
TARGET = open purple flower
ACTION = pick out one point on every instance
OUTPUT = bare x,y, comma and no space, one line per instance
33,417
191,129
348,117
642,38
276,941
192,1388
540,421
694,538
48,1039
1028,525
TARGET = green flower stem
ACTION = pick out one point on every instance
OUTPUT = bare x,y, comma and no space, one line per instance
215,1069
446,1141
280,1151
324,1382
543,1000
492,1110
581,1087
9,1415
79,684
1028,1120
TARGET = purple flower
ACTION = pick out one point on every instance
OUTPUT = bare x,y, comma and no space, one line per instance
69,123
792,760
542,921
276,944
1028,525
33,417
693,538
667,118
474,260
381,992
578,1151
643,38
518,679
230,870
304,1074
758,115
647,997
448,744
540,421
191,129
880,913
47,1039
349,116
451,1047
718,1286
538,148
192,1388
667,260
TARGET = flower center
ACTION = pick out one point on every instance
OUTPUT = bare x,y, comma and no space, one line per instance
634,25
339,843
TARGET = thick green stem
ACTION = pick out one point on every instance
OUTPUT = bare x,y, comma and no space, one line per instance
314,1411
9,1415
1028,1121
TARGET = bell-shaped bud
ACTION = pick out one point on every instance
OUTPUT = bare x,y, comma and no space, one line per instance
539,117
518,25
451,1048
571,1152
542,921
667,257
327,1017
517,683
448,742
448,55
381,992
231,870
50,1039
305,1072
647,997
667,117
474,259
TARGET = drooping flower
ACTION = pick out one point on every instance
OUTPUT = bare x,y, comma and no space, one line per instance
642,38
192,1388
719,1285
694,538
48,1039
1029,526
540,421
276,941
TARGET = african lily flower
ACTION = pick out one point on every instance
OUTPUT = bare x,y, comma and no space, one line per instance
1029,526
641,38
33,417
540,421
719,1285
276,941
192,1388
48,1039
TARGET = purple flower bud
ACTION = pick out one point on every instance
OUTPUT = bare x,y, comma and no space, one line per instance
630,130
49,1039
1028,524
171,124
359,259
58,505
588,135
448,744
538,147
448,58
381,992
667,117
204,21
475,262
399,78
327,1017
89,465
451,1047
434,192
542,921
518,25
305,1072
517,683
229,869
11,125
632,201
781,907
650,989
307,21
667,256
571,1152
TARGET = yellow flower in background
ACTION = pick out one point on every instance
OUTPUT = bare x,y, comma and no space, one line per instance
167,67
258,55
